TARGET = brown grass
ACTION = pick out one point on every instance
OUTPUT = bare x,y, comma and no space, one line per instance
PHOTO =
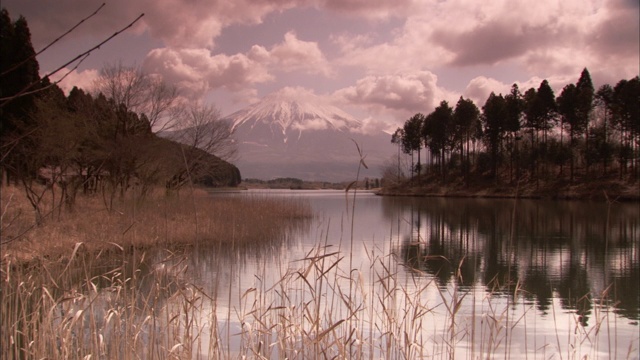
170,220
140,303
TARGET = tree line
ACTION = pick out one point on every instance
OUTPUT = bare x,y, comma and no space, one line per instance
106,141
530,136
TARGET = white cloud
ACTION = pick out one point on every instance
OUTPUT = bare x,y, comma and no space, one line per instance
546,39
480,87
82,79
543,38
294,54
375,9
197,71
402,93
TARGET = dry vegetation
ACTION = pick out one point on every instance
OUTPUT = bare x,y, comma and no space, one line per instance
143,307
169,220
105,285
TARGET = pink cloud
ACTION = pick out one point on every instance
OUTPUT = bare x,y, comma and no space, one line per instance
294,54
404,92
197,71
369,8
82,79
480,87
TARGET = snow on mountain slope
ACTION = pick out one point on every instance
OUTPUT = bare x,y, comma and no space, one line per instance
294,133
295,109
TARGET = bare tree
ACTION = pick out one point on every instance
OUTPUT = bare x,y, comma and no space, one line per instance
204,129
142,93
206,142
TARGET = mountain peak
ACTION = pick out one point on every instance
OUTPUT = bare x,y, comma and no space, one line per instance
293,108
295,133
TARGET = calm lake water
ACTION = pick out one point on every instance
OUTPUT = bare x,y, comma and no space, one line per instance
526,279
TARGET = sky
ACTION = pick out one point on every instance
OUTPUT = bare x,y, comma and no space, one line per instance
380,60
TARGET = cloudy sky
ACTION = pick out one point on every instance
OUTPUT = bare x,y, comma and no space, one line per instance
381,60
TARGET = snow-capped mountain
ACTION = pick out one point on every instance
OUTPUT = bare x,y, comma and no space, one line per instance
293,133
291,111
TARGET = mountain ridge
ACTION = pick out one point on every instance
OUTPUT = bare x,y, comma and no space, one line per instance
294,133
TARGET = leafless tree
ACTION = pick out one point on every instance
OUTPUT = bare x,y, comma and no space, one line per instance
202,128
139,92
205,141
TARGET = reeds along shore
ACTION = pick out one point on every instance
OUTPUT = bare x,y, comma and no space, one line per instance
186,218
145,306
61,276
121,288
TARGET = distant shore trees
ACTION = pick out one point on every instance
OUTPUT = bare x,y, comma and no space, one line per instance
532,136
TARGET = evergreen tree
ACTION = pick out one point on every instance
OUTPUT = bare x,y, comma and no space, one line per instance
494,115
412,140
467,118
568,109
626,117
515,105
586,93
540,117
18,73
438,130
604,98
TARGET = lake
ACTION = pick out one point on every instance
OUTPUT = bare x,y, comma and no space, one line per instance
395,277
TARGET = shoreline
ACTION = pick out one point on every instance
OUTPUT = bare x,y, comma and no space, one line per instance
600,192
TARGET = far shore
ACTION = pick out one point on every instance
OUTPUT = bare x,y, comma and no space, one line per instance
590,191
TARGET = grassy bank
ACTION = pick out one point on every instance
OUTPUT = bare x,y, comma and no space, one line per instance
160,219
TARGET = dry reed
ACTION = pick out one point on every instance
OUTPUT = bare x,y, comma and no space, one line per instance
128,299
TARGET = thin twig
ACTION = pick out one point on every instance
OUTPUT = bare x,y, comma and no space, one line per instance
23,92
53,42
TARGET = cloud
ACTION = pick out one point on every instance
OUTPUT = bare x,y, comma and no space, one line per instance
394,47
544,38
81,79
294,54
176,23
491,43
480,87
402,94
197,71
376,9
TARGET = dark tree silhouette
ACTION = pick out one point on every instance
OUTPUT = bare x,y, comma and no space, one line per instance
515,105
494,115
467,119
438,132
412,140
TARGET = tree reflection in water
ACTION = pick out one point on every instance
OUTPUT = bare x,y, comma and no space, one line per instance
580,253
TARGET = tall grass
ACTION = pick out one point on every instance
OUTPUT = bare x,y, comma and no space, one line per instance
150,305
186,219
149,288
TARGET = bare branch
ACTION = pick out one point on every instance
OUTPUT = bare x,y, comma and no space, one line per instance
53,42
7,100
139,92
203,129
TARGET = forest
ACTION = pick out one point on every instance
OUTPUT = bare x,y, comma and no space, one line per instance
106,141
582,135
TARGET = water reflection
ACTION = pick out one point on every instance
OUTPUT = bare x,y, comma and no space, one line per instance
581,253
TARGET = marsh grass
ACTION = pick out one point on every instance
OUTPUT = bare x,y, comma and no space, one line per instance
127,290
144,305
179,219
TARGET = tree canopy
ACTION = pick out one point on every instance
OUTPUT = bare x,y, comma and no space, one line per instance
529,129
